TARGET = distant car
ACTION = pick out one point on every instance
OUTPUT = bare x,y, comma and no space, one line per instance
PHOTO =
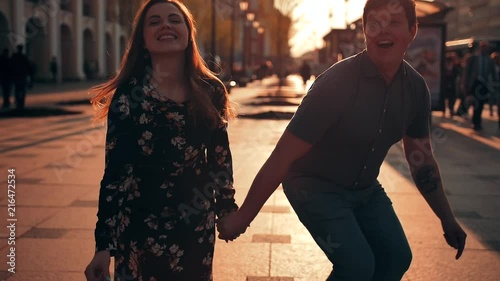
229,83
242,79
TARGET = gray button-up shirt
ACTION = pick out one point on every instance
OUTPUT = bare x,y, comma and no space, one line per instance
352,118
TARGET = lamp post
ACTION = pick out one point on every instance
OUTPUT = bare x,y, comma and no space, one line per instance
260,32
346,14
244,9
247,38
254,43
233,31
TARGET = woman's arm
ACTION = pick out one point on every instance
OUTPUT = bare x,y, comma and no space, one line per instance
220,165
118,149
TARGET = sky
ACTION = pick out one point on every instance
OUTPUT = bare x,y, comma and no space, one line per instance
313,21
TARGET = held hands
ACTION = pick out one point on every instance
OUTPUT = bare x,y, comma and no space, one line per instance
98,268
231,226
454,234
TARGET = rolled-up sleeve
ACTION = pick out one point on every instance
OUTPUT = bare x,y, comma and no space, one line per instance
320,109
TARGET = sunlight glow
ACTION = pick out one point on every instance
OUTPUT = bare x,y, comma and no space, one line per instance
315,18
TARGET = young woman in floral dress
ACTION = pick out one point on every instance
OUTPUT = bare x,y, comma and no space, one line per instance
168,163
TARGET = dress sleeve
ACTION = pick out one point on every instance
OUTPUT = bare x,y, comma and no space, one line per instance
117,168
221,171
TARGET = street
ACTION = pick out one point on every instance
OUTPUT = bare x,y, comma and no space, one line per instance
56,156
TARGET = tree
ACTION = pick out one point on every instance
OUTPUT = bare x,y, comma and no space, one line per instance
203,16
282,29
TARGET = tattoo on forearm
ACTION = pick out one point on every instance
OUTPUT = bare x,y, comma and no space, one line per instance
427,179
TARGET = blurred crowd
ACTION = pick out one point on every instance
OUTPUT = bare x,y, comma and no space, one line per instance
472,81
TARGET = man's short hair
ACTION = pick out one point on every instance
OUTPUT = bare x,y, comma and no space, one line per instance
393,5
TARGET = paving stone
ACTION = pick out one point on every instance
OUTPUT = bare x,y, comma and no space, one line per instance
45,233
263,278
241,259
299,260
275,209
47,276
85,203
271,238
48,255
72,218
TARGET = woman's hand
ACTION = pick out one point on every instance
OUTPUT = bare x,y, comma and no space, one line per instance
454,234
231,226
98,268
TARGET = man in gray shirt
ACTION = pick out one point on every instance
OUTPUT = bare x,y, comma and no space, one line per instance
329,156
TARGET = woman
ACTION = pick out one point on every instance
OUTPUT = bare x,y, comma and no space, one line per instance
168,163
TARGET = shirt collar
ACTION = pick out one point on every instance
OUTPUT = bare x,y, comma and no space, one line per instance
370,71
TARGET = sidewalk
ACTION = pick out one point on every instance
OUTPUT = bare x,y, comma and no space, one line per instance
63,87
57,179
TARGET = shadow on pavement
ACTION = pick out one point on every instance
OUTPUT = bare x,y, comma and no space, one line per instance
283,102
460,150
37,112
282,96
269,115
75,102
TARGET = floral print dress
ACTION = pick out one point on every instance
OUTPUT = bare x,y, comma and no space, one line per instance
164,183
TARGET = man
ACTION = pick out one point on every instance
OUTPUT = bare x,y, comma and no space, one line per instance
329,156
53,69
5,77
20,67
496,58
479,79
305,73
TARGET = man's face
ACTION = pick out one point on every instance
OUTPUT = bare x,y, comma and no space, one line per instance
387,35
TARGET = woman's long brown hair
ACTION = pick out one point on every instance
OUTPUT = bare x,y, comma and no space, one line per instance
206,109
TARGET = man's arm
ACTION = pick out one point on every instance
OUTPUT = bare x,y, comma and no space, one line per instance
425,172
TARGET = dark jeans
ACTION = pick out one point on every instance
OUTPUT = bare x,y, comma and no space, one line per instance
358,230
6,93
478,97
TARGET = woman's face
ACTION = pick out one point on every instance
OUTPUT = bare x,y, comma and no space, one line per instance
165,30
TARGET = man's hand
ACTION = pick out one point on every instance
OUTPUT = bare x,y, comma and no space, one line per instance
455,236
231,226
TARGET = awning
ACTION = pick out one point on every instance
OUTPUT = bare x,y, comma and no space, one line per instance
430,8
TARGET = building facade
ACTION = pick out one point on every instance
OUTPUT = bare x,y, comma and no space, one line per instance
86,37
473,18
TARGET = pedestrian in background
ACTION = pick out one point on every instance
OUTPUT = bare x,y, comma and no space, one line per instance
53,69
305,73
463,105
329,157
479,79
450,76
168,171
20,70
496,58
5,77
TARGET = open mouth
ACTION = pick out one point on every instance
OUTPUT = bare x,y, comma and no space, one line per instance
167,37
385,44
